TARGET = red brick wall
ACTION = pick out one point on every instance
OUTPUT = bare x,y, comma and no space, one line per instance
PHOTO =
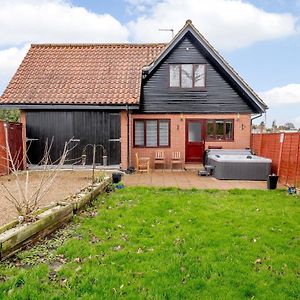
124,139
242,134
23,121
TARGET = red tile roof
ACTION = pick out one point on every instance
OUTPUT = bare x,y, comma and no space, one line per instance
81,74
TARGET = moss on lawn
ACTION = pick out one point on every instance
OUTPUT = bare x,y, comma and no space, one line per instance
148,243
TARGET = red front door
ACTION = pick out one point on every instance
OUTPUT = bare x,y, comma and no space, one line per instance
194,140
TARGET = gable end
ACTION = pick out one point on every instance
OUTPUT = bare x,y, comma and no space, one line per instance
189,46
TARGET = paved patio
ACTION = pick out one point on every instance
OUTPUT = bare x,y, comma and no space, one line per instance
188,180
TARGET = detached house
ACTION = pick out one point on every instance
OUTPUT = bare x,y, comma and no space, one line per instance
133,98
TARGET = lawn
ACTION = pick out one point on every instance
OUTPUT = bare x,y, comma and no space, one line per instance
148,243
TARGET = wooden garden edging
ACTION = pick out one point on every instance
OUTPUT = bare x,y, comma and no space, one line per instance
13,237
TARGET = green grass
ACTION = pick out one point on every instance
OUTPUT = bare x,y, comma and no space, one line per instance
147,243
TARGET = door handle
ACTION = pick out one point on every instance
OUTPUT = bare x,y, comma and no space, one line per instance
115,140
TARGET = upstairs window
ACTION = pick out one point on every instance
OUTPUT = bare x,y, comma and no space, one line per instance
152,133
219,130
187,75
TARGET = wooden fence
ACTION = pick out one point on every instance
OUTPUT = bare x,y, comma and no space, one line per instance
284,150
14,135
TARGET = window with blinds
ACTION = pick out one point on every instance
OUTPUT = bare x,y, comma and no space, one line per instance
164,133
151,133
139,133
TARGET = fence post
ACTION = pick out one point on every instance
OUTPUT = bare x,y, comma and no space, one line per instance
281,137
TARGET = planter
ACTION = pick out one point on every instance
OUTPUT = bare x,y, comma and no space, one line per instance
48,219
116,177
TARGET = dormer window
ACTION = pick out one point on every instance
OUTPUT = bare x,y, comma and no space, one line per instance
187,75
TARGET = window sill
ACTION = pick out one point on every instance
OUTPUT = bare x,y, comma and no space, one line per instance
151,147
199,89
218,141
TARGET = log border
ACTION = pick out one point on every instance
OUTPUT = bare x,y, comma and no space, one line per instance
49,218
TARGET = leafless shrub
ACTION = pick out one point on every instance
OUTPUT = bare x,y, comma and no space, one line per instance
24,202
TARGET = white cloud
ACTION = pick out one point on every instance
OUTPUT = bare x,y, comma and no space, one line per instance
50,21
10,59
228,24
285,95
140,6
284,104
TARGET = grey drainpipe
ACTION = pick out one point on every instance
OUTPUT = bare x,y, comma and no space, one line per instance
251,128
256,117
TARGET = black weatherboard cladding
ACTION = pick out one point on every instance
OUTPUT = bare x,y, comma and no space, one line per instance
90,127
219,96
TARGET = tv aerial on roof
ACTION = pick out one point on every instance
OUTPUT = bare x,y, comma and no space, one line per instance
167,29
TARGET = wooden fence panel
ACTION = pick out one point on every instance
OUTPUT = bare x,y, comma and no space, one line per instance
292,159
297,181
285,159
14,131
285,156
256,142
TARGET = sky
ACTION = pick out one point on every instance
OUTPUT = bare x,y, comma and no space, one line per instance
260,39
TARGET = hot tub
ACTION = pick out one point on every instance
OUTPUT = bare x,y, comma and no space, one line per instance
238,165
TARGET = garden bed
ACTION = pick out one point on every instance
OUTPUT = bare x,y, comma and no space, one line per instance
14,237
67,183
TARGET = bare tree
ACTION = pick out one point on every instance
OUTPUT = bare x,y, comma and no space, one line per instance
24,202
274,126
289,126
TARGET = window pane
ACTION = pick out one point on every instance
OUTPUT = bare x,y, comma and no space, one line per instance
229,130
186,76
139,133
210,129
163,133
200,75
194,134
219,130
174,75
151,133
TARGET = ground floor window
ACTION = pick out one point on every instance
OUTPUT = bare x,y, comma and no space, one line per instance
219,130
151,133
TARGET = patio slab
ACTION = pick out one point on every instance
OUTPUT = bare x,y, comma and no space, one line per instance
188,180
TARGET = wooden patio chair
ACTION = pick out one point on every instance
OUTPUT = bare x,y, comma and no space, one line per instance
176,160
160,159
142,163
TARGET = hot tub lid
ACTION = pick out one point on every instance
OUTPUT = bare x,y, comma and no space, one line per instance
231,158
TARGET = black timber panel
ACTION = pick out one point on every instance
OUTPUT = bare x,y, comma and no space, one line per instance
220,96
90,127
